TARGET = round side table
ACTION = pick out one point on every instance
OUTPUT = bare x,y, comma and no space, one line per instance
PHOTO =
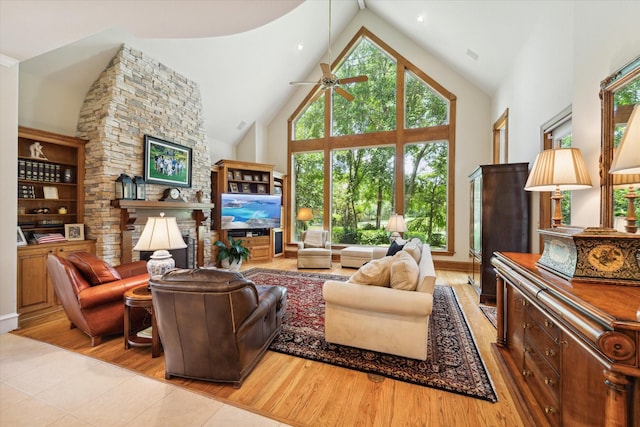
140,297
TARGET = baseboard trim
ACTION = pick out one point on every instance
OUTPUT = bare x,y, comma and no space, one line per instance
8,322
460,266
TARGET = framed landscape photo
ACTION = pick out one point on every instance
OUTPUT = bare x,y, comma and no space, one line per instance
234,187
74,231
166,162
237,175
246,188
262,189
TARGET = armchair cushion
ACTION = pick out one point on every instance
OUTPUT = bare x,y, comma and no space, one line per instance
314,239
95,270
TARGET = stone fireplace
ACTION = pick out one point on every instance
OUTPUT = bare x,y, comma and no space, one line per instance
136,95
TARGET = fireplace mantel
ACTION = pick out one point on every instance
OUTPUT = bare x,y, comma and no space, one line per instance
136,212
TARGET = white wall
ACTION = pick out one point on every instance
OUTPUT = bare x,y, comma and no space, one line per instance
8,191
473,130
567,56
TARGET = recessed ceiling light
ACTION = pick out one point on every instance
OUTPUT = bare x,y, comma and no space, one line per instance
420,18
241,125
471,54
300,46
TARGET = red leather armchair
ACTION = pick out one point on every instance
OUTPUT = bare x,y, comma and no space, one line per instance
91,292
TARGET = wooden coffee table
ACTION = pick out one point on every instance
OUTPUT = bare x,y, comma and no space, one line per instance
140,297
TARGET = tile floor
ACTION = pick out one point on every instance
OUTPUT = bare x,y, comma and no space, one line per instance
43,385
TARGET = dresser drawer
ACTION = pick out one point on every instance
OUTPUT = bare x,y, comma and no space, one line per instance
544,383
546,324
545,346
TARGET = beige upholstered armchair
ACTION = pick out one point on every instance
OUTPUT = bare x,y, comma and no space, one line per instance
314,249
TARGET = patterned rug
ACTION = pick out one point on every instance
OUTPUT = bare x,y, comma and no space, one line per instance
490,313
453,362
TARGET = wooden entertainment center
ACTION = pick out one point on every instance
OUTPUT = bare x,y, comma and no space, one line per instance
570,349
245,178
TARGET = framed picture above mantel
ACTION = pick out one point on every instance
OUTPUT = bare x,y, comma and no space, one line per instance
166,162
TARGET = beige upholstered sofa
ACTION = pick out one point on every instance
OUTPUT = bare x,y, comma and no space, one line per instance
314,249
386,319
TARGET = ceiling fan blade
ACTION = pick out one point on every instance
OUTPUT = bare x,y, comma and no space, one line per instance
356,79
346,95
303,83
326,70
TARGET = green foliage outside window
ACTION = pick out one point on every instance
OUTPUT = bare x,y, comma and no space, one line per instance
363,177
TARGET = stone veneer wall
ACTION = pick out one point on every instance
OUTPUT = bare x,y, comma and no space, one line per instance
136,95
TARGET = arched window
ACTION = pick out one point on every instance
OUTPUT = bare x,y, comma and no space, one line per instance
390,150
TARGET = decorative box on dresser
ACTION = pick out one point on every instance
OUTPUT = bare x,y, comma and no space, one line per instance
571,349
499,220
58,169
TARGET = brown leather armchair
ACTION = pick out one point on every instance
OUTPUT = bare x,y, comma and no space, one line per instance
215,325
91,292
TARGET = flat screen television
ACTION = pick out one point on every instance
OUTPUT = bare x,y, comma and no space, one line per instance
250,210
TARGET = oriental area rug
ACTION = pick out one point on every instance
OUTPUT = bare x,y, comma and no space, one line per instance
453,361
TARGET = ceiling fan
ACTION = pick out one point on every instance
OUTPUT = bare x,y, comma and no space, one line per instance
330,81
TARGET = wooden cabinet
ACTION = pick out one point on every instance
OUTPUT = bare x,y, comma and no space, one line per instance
50,177
244,178
36,296
499,220
51,180
571,349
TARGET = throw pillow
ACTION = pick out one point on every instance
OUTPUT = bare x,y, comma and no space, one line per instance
374,273
395,248
414,249
404,272
95,270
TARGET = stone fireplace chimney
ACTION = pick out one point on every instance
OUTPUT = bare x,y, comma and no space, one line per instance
136,95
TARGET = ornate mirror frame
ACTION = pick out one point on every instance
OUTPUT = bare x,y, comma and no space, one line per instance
611,116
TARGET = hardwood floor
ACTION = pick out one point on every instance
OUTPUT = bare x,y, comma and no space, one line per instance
301,392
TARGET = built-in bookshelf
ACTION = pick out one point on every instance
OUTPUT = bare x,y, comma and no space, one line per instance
50,181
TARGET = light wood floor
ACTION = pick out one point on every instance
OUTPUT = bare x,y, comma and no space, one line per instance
306,393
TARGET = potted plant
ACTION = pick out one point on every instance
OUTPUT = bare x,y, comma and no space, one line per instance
231,256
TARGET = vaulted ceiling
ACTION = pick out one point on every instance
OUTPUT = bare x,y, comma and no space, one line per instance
244,53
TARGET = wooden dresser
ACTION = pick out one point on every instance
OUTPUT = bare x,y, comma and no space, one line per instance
571,349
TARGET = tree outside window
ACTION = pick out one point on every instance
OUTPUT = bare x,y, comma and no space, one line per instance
355,153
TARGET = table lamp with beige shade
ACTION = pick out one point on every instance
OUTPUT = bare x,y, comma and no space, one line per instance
396,226
304,215
626,166
557,170
161,234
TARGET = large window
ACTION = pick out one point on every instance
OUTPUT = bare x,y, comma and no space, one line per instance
362,190
390,150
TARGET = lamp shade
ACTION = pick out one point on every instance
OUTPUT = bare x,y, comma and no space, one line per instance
558,169
396,224
626,159
160,233
626,180
304,214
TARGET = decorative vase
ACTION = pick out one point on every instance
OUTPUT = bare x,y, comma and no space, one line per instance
234,266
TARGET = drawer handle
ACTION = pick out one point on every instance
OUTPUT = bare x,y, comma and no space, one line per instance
549,410
527,350
526,325
526,373
549,381
550,352
549,324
